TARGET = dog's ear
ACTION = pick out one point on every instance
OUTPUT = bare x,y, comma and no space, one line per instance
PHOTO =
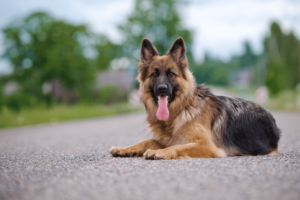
177,51
147,51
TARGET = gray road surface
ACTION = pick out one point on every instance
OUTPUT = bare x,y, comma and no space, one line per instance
71,161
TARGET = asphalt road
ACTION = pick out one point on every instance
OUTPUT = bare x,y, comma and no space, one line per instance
71,161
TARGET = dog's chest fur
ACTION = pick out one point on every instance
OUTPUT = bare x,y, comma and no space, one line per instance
176,132
166,134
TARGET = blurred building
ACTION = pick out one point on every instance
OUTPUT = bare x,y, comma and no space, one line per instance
121,73
121,79
241,77
56,89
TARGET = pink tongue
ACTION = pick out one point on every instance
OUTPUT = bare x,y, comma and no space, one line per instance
162,112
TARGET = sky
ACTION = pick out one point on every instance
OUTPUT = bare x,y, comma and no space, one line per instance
220,26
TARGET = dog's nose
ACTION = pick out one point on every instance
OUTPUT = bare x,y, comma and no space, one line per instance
162,87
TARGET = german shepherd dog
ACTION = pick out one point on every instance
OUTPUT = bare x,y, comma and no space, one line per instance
188,121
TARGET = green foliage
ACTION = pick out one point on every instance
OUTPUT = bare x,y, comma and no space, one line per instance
292,59
248,58
214,71
106,92
41,49
277,77
111,94
283,51
17,101
157,20
107,51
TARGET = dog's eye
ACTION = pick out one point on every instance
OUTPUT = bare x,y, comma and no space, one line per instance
155,74
171,74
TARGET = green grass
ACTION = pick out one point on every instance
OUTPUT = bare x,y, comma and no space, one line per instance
40,115
284,101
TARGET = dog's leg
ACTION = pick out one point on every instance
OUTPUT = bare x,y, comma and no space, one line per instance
137,149
190,150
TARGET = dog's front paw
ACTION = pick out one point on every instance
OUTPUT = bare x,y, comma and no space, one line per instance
114,151
122,152
154,155
118,152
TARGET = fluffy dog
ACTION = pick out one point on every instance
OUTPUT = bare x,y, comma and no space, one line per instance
188,121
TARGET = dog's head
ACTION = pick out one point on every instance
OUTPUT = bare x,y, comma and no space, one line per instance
163,78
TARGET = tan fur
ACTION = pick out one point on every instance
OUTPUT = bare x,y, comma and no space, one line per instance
137,149
274,152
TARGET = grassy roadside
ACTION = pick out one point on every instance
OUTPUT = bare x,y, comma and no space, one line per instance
284,101
32,116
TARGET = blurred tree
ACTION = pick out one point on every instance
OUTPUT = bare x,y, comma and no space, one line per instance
283,53
292,59
276,43
248,58
160,22
41,49
215,72
276,77
107,51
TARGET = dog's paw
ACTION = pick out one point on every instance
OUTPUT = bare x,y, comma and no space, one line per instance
122,152
154,155
118,152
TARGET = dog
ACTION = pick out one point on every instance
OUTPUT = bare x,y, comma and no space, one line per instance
188,121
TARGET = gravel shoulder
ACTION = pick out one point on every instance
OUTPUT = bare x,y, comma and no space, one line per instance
71,161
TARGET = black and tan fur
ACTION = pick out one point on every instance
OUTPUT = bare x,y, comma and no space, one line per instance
200,124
